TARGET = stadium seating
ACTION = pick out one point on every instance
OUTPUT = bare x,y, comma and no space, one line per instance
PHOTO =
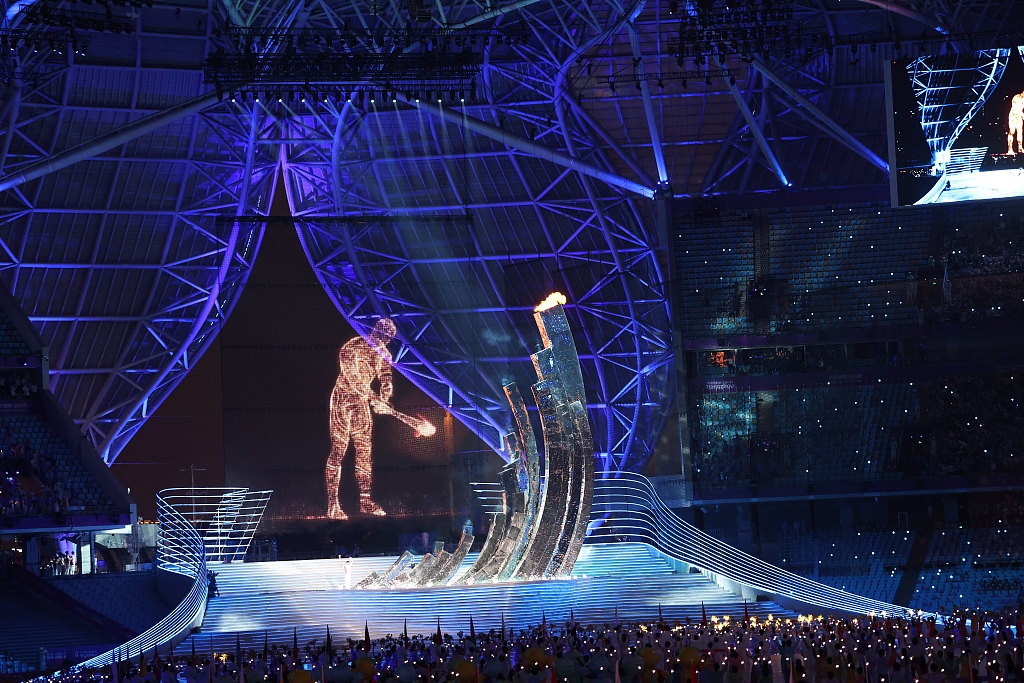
970,568
844,433
41,437
716,264
845,268
40,623
11,342
868,563
129,598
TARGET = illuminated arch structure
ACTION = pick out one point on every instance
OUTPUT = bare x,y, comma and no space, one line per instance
114,165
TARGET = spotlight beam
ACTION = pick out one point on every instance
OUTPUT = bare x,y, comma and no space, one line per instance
758,135
532,148
835,129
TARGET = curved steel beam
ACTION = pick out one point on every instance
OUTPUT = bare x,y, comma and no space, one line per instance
208,305
645,92
492,13
586,117
107,141
837,131
758,135
910,13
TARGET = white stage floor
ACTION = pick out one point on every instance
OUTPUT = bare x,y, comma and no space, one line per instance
272,597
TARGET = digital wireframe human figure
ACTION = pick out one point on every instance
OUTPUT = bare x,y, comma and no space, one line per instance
363,387
1016,124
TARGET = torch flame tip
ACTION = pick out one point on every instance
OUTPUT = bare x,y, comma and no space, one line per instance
554,299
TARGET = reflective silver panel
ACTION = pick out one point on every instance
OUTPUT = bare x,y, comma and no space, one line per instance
577,521
452,566
494,536
430,576
550,522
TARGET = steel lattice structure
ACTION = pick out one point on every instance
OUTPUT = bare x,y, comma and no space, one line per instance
115,165
951,90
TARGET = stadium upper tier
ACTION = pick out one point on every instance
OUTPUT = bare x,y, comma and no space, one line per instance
830,269
851,345
51,479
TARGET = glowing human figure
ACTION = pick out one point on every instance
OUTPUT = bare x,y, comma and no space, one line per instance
361,363
1016,124
346,568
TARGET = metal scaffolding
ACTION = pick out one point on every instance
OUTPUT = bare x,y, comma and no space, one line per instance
115,164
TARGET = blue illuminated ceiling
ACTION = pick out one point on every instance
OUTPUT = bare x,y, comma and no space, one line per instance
114,165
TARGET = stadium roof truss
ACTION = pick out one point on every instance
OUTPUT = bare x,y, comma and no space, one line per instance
454,218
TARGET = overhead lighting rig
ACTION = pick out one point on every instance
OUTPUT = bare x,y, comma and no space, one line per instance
47,15
347,38
309,73
713,28
19,45
660,77
284,65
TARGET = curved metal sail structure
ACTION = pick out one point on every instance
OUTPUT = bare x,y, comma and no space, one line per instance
119,259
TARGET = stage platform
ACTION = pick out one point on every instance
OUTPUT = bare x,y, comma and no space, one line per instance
272,597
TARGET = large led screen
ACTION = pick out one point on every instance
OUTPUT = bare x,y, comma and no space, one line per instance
318,414
957,127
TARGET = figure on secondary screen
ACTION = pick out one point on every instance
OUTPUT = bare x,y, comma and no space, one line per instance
1016,124
363,387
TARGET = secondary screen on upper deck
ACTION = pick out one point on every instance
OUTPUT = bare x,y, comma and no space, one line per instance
958,127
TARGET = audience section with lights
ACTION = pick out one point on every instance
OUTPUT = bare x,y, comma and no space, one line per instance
764,406
58,501
852,375
52,481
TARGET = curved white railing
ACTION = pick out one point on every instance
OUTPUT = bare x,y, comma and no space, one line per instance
225,517
631,508
180,550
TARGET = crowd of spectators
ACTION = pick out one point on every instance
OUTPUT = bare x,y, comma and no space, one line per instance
964,648
975,424
984,267
996,250
61,564
18,385
31,483
19,500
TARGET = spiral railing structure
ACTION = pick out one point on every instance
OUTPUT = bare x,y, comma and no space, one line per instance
629,506
180,551
225,517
